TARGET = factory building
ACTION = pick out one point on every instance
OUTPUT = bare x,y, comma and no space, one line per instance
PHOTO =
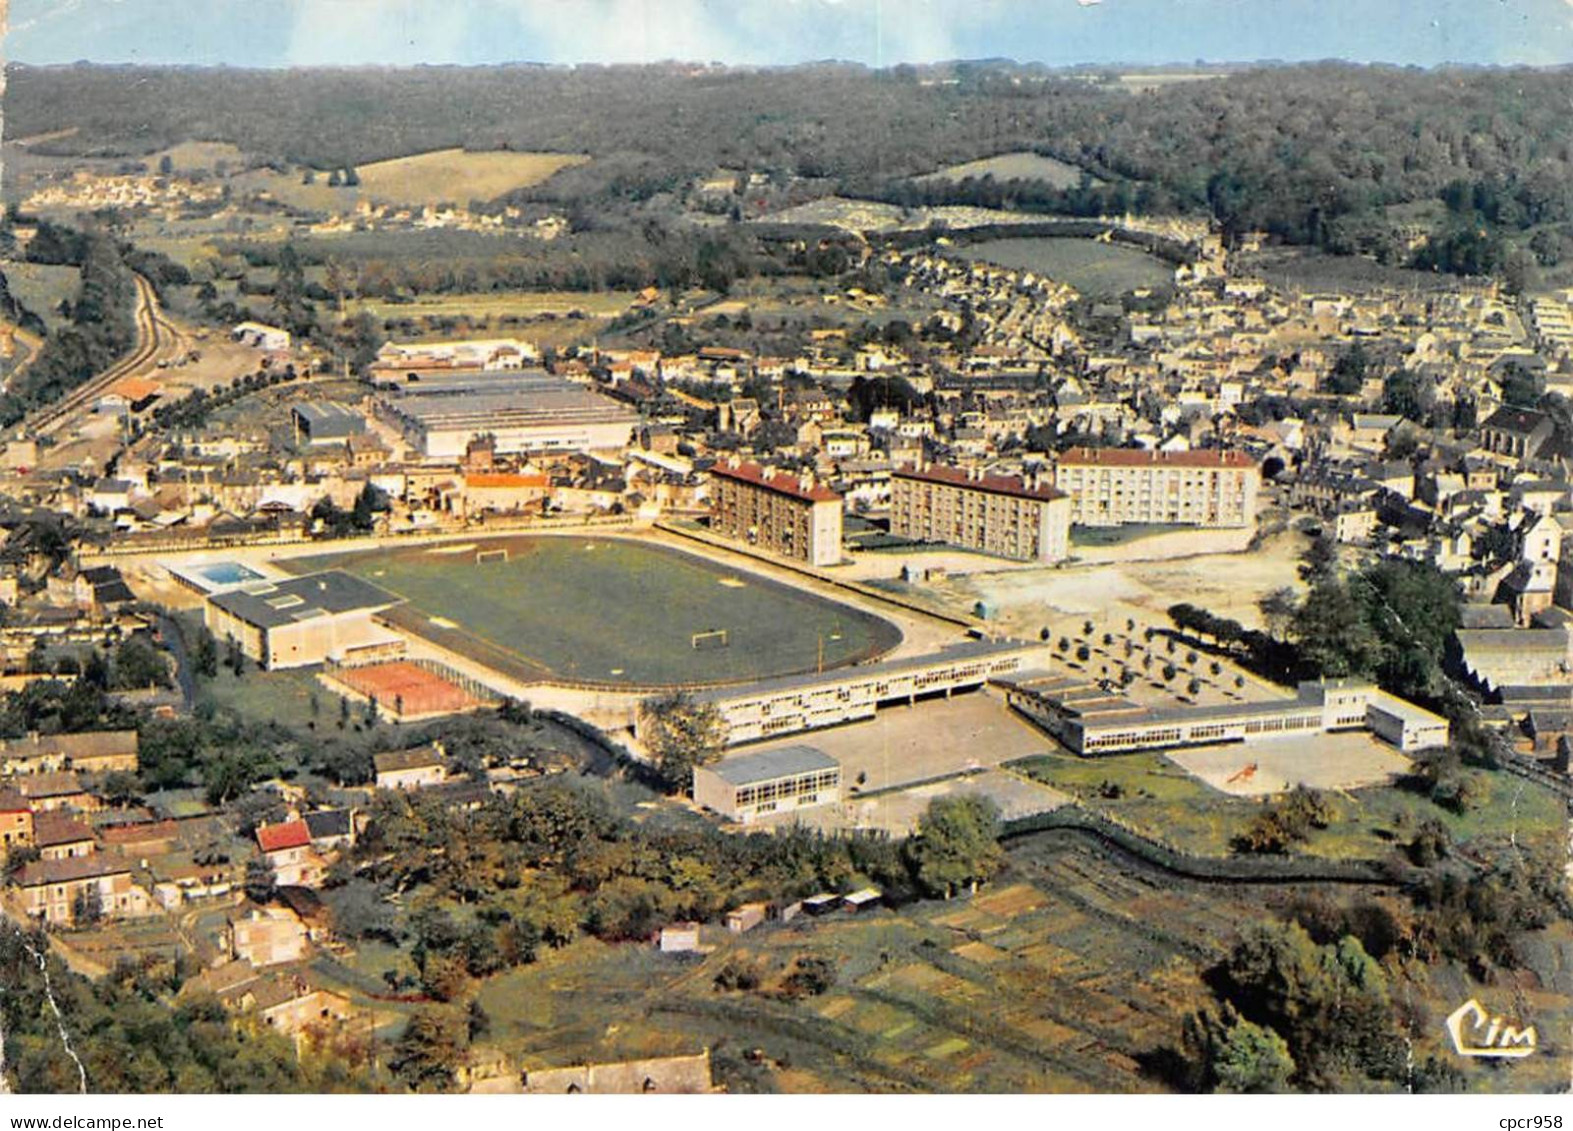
326,422
523,412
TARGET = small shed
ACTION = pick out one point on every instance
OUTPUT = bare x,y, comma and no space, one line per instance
678,938
745,918
867,899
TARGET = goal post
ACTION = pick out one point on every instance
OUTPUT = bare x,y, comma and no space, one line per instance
484,556
710,639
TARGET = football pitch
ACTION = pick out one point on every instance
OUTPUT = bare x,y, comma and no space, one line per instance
606,610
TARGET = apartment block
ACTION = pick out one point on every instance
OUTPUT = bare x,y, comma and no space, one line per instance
783,513
1009,516
1117,487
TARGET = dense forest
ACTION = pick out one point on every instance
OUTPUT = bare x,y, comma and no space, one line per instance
1313,154
101,326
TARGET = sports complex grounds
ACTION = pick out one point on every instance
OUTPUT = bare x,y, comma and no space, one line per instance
611,611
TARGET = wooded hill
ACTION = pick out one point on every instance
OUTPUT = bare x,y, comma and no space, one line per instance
1292,149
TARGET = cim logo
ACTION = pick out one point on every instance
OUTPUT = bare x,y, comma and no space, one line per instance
1477,1033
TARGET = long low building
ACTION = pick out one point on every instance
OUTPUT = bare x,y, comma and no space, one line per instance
522,412
791,704
1090,720
783,780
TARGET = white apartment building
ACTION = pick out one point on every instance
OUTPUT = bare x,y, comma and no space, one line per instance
1119,486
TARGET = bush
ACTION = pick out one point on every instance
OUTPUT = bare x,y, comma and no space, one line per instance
812,976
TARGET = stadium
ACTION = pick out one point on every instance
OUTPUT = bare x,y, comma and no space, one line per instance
611,612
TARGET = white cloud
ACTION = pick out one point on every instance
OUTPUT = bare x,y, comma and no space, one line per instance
623,31
373,31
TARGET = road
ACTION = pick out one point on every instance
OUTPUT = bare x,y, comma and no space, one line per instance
156,335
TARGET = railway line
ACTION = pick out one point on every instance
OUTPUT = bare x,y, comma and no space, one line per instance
154,334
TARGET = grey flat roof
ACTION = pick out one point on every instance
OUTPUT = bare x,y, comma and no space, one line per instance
768,765
269,604
319,413
965,650
506,403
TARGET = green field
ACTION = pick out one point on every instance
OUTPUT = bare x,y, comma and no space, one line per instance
41,288
1119,535
494,304
1159,799
1101,270
446,175
613,611
1013,166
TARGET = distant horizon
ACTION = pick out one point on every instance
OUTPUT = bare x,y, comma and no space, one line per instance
1118,66
1056,34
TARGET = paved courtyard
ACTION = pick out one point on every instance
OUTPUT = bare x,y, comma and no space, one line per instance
1320,761
931,739
901,752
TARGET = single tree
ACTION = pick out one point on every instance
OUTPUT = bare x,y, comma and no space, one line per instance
957,844
681,734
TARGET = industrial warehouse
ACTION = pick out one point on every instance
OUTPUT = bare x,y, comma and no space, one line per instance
1092,720
522,411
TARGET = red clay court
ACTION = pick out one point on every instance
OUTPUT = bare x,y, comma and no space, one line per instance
407,689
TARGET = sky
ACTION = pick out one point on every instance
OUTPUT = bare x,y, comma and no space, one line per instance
282,33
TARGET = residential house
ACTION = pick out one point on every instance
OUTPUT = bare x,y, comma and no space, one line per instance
16,821
288,850
62,836
331,829
79,889
412,769
267,936
62,789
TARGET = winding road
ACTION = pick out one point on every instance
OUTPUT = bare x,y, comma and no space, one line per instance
156,335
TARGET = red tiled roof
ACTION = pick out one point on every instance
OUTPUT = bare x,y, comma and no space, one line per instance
145,832
13,802
138,388
289,834
1132,457
782,483
994,484
51,829
507,479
